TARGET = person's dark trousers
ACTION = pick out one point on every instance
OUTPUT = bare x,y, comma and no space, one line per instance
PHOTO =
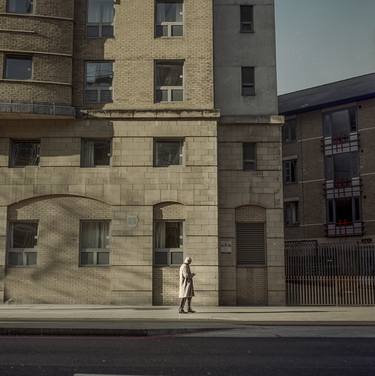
182,305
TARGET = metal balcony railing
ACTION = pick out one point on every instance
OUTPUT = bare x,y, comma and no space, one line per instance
343,144
44,109
344,228
341,188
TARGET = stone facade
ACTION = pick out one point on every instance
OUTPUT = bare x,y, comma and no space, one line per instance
208,192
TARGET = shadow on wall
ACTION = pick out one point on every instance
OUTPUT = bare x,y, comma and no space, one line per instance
57,278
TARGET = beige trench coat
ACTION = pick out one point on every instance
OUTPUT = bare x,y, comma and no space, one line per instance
186,282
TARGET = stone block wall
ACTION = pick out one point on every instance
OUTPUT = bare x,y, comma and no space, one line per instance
251,196
59,192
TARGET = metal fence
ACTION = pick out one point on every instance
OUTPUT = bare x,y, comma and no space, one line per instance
330,274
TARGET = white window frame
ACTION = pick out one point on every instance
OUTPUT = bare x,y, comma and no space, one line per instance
95,251
169,251
171,24
24,251
97,88
100,24
169,89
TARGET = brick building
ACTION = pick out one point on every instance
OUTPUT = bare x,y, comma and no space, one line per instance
328,154
134,133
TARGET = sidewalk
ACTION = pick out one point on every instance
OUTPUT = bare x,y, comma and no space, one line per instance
141,320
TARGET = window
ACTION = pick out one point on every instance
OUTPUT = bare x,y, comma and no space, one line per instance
95,152
169,81
342,167
247,19
168,153
291,216
168,243
18,67
24,153
99,77
20,6
94,243
250,244
100,15
248,81
290,130
23,238
290,171
169,18
339,124
343,211
249,156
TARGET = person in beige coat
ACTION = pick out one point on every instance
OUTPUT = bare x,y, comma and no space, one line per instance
186,286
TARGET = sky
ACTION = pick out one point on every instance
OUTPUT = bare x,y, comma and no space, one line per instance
322,41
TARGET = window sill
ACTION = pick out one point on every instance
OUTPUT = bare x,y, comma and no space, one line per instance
95,266
170,37
23,266
31,81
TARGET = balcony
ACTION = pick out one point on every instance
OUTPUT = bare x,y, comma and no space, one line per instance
36,110
343,144
342,188
344,228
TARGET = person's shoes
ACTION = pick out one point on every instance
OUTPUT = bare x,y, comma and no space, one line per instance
181,311
191,311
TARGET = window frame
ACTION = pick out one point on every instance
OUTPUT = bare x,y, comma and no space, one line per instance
169,251
23,251
84,140
181,141
100,24
31,12
244,23
287,131
169,89
247,85
97,88
328,133
17,56
331,205
286,161
95,251
11,163
254,161
167,23
295,203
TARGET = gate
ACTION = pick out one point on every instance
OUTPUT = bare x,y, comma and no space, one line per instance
330,274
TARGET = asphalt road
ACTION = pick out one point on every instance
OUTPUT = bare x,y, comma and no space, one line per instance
190,356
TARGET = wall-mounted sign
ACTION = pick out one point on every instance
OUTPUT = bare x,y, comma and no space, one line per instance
132,220
226,246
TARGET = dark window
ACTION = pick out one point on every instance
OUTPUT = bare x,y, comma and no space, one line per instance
95,152
169,81
168,242
250,244
247,18
20,6
18,67
22,243
169,18
99,76
248,81
94,243
167,152
342,167
339,124
249,156
290,171
24,153
290,131
344,211
291,213
100,18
